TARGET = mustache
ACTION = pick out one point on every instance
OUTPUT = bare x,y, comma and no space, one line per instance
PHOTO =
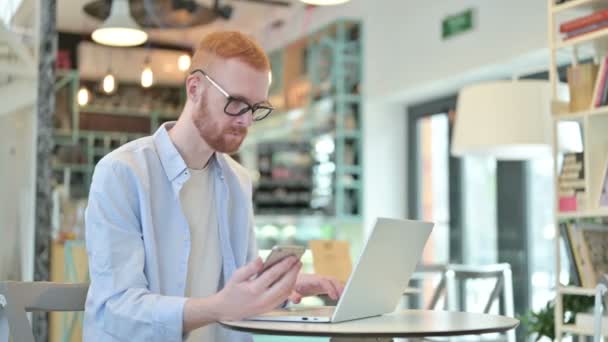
237,130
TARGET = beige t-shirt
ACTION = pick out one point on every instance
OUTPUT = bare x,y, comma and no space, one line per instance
197,198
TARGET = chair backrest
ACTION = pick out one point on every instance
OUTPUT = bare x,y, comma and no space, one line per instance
17,298
452,273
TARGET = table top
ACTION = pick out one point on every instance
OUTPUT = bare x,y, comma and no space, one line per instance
406,323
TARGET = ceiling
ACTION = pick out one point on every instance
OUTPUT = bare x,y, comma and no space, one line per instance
248,17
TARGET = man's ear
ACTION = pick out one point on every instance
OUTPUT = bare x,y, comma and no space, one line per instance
194,88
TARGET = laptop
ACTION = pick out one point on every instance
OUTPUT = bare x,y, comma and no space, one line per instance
383,271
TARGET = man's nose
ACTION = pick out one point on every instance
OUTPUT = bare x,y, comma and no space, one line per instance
245,120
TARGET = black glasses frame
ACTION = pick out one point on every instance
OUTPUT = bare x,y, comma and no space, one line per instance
265,107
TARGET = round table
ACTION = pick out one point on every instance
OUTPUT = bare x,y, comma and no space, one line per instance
406,323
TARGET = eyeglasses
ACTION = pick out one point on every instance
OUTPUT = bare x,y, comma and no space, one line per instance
237,106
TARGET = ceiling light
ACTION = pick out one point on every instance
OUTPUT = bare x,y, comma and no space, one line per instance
109,84
147,76
270,77
324,2
120,29
83,96
183,62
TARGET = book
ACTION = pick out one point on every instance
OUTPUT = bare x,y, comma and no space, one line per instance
569,248
586,29
603,202
581,256
571,183
594,251
600,83
581,22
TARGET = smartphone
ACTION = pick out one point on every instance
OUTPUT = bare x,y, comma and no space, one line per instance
280,252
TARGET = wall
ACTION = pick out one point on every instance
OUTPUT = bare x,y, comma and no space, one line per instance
17,169
504,30
406,61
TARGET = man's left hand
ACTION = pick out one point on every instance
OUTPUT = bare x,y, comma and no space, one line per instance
313,285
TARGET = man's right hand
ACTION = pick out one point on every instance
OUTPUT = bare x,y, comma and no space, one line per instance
244,295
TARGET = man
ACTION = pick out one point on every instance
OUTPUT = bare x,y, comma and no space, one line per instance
169,224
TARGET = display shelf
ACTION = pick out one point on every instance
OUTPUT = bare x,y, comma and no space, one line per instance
350,134
598,212
594,125
129,112
577,5
73,167
328,62
579,116
352,169
352,186
576,290
574,329
583,39
80,143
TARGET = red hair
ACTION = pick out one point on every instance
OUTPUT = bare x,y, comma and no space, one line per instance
230,44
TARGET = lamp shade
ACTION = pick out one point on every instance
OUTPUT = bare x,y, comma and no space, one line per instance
120,29
507,120
324,2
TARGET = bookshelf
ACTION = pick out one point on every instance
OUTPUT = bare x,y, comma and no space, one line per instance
584,39
593,123
316,92
84,134
574,4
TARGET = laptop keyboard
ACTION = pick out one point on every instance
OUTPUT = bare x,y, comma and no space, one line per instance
325,311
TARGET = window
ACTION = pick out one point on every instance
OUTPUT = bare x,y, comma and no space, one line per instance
8,8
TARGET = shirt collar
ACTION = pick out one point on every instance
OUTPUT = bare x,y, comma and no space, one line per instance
172,162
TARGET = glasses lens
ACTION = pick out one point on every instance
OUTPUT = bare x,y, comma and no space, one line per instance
261,113
236,107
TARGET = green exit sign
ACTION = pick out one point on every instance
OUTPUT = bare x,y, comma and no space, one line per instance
457,24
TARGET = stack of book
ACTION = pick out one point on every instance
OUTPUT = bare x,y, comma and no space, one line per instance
583,25
571,183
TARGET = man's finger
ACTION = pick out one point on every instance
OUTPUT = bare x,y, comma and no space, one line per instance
281,289
330,288
274,273
246,272
295,297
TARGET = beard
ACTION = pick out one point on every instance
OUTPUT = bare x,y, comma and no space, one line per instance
221,139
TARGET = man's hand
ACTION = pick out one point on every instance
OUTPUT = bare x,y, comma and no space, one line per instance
312,285
245,295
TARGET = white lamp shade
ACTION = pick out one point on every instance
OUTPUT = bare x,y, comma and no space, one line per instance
507,120
324,2
120,29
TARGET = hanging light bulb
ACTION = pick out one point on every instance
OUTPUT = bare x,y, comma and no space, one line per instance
109,84
183,62
324,2
270,77
120,29
147,77
83,96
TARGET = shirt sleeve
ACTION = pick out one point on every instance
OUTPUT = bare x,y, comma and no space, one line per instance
119,300
252,249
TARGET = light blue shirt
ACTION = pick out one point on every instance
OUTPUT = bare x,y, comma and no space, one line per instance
138,239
